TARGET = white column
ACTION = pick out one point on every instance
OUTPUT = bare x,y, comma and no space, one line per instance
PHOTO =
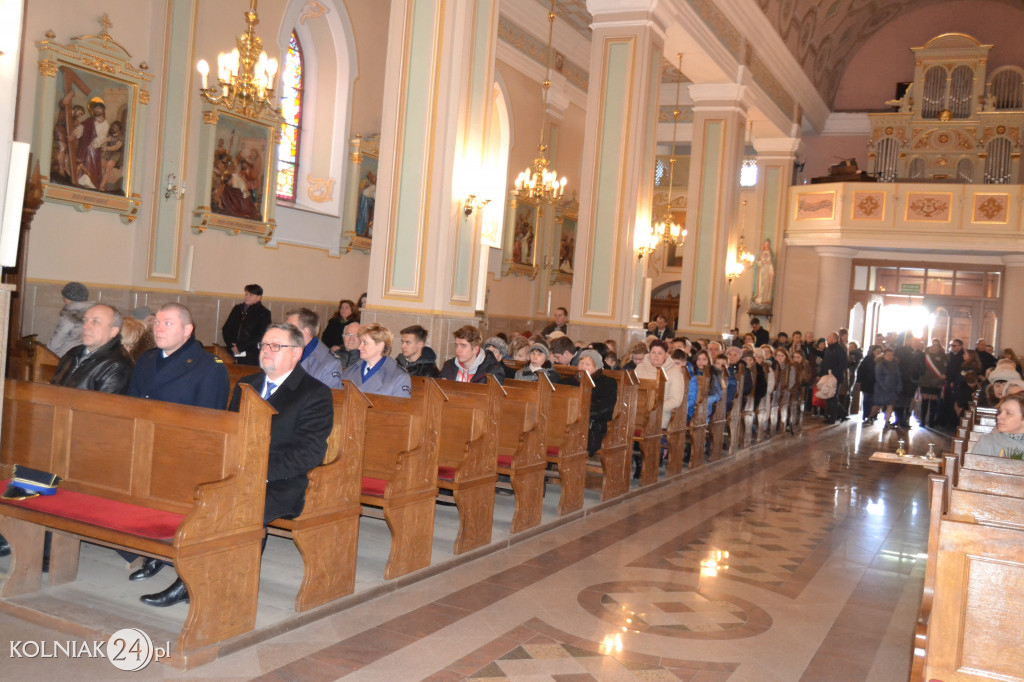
834,272
1011,324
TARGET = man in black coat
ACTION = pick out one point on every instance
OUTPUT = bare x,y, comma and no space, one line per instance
760,333
835,360
101,363
178,370
471,362
417,358
244,326
298,432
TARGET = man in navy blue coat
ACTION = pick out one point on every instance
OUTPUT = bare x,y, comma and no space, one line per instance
178,370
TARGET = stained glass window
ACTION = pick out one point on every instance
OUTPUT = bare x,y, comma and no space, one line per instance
291,109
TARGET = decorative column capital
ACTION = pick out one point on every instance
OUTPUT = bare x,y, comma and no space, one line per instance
777,147
835,252
718,95
655,14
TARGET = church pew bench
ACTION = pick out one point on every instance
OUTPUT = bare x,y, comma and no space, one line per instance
649,402
973,610
124,485
764,409
736,411
566,452
327,532
467,456
609,470
522,449
699,423
774,406
717,427
678,431
42,362
995,475
399,476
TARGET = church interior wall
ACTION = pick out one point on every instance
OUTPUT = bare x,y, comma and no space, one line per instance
97,249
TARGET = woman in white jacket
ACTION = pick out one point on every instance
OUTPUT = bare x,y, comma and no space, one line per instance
675,385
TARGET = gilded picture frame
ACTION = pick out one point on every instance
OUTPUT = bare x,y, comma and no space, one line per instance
237,173
563,243
521,237
90,101
361,193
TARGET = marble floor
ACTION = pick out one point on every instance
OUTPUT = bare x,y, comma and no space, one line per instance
801,561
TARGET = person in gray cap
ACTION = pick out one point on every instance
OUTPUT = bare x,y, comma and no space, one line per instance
68,333
539,363
496,347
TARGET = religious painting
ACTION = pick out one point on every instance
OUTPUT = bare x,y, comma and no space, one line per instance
868,206
764,281
931,207
816,206
238,179
520,251
237,172
357,231
991,208
89,130
88,124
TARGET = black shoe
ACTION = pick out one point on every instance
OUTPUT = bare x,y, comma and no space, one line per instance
149,568
5,547
174,594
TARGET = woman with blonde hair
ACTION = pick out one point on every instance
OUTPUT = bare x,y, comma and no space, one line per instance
378,372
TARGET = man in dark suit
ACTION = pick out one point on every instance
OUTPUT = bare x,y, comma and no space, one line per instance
244,326
178,370
298,432
661,330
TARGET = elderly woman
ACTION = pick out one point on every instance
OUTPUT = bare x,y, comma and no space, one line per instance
602,401
377,372
1008,438
657,359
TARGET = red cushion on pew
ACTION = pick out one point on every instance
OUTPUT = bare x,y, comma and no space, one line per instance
98,511
638,433
374,486
554,449
505,460
446,473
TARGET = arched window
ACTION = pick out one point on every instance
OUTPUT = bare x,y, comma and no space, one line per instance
291,129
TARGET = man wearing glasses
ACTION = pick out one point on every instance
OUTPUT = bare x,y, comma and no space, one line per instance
298,432
349,354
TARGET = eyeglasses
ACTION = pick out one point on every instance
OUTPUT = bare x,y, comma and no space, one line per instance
350,336
275,347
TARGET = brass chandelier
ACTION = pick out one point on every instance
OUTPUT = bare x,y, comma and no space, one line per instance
245,76
539,182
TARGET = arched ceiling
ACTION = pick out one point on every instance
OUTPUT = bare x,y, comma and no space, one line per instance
823,34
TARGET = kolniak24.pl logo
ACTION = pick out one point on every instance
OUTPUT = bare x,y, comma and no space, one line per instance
128,649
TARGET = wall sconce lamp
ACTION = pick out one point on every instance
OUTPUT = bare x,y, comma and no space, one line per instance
472,204
172,187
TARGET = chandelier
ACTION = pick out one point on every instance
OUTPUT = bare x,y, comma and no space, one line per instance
245,76
666,230
539,182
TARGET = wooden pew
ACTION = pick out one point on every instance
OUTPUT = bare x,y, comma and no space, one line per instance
400,473
699,423
568,429
124,486
41,362
650,401
522,452
775,407
971,613
225,355
993,475
467,455
717,428
327,532
736,412
678,432
764,407
613,459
